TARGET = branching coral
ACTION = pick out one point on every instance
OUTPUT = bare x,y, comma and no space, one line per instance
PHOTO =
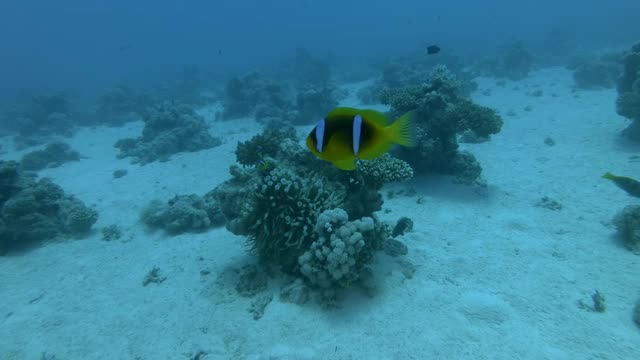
169,129
385,169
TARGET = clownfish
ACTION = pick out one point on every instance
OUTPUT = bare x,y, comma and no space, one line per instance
347,134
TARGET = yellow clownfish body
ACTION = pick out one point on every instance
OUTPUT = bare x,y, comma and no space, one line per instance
347,134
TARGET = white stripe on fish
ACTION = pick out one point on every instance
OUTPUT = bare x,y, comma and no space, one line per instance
357,131
319,135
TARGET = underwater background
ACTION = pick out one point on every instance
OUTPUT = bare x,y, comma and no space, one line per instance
176,181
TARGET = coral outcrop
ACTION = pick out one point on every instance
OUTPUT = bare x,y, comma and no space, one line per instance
514,63
341,250
122,104
182,213
45,114
408,73
517,61
441,115
268,101
53,155
627,222
304,216
314,102
254,95
628,102
33,210
261,146
169,128
601,72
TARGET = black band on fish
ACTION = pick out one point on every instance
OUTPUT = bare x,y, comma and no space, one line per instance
319,135
357,131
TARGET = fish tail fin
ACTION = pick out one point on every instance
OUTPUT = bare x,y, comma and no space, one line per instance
403,130
609,176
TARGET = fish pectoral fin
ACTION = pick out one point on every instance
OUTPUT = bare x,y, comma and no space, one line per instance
376,150
349,165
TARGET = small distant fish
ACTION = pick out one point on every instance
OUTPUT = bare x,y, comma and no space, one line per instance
219,51
347,134
631,186
433,49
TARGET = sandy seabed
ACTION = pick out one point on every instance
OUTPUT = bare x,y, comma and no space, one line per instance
496,276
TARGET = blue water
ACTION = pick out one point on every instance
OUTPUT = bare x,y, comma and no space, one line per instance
145,149
91,45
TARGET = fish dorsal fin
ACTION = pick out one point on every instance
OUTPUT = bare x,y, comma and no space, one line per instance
342,112
375,117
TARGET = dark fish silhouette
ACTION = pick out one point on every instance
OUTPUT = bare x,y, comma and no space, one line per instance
433,49
631,186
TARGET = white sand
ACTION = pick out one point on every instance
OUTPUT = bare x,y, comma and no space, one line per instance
497,277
